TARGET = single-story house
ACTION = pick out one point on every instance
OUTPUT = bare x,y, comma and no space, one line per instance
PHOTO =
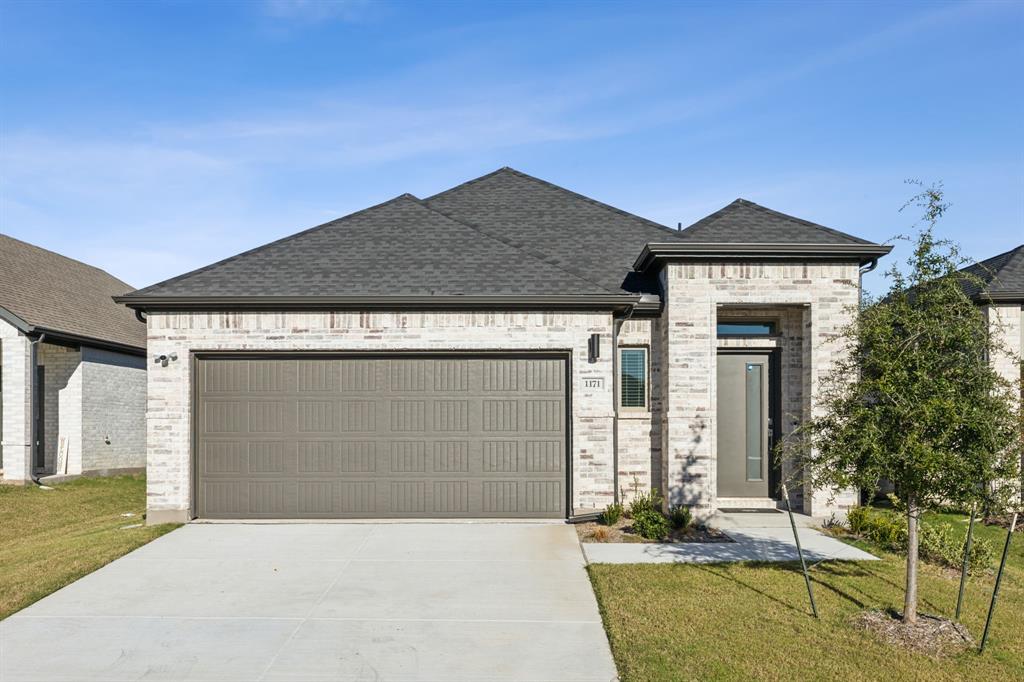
72,369
505,348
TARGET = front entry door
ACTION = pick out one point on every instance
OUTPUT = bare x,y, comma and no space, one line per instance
744,425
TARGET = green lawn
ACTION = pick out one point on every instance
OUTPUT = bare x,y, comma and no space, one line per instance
752,621
50,538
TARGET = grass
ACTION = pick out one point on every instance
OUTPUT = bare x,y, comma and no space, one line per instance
50,538
752,621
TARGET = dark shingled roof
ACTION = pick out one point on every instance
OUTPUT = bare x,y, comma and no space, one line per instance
1000,277
54,293
400,247
505,233
744,221
577,232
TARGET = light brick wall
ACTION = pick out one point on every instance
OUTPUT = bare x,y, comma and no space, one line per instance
113,433
62,405
640,431
169,388
16,436
1006,325
827,294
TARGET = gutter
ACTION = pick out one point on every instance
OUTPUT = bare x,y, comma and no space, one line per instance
33,361
702,251
56,335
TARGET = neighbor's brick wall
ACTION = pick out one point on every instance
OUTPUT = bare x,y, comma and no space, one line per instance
62,405
1006,324
828,294
16,434
114,411
168,415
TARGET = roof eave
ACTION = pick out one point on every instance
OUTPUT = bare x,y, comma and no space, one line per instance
67,337
151,303
999,297
704,251
15,321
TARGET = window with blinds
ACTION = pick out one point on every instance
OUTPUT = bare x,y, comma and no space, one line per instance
633,377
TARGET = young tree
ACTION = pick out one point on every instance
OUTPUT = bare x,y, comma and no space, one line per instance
915,401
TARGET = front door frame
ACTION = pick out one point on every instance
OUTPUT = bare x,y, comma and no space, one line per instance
774,355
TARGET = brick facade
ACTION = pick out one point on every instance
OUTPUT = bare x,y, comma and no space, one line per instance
17,404
809,301
169,388
1006,324
90,397
113,435
823,296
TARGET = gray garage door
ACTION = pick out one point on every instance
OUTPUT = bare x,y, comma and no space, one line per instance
403,437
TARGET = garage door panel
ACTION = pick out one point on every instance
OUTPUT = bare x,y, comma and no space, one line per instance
377,437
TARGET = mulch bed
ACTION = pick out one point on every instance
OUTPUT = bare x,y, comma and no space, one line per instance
930,635
623,532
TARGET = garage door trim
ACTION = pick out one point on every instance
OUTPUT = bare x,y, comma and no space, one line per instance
196,356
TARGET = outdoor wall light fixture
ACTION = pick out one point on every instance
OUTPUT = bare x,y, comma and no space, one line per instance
594,348
164,359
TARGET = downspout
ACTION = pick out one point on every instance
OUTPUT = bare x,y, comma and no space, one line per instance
33,361
617,323
864,269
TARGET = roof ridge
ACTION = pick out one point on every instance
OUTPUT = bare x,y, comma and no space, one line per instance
809,223
1017,251
68,258
514,245
275,242
508,169
714,217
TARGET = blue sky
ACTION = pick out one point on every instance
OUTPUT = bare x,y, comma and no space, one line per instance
153,138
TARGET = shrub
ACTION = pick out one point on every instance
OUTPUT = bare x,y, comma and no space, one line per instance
611,515
680,516
650,524
601,534
644,502
857,518
940,543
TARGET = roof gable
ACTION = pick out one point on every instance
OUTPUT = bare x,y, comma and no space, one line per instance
747,222
397,248
51,292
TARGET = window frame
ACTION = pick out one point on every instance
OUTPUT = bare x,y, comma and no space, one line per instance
646,407
772,324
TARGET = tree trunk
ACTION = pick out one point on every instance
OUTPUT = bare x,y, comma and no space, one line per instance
910,600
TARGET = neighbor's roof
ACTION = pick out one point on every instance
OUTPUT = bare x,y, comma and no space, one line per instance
1000,278
503,234
46,291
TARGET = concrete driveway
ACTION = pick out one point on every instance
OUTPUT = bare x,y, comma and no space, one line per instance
411,601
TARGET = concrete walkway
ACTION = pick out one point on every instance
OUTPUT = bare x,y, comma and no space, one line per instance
757,537
323,602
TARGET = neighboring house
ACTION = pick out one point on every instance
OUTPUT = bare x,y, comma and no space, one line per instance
453,357
72,369
999,289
